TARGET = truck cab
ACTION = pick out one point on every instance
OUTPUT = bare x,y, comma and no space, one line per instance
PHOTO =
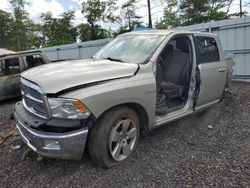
139,81
11,65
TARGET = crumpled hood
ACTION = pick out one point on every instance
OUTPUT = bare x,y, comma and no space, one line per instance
55,77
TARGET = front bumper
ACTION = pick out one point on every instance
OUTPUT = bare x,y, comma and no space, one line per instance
69,145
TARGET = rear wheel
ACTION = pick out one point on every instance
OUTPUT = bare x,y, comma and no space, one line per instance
114,137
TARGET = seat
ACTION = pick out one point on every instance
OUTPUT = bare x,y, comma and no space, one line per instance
161,105
174,76
161,65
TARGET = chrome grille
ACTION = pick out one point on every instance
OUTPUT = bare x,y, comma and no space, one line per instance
34,99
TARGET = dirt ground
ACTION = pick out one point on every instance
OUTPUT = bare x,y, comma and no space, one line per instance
211,149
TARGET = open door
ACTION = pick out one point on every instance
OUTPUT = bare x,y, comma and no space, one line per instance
211,71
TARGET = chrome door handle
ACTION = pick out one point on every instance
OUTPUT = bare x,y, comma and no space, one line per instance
222,69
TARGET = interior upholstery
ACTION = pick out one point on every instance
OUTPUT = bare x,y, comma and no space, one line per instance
175,70
162,65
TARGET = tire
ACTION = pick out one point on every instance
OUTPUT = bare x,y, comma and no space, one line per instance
109,144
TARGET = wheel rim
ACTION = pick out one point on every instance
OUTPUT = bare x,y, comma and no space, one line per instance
122,139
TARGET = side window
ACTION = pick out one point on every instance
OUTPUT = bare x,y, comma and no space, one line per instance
33,60
9,67
206,50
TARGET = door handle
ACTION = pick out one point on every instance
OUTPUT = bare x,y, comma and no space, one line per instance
222,69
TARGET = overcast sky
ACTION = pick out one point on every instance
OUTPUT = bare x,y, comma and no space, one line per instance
36,7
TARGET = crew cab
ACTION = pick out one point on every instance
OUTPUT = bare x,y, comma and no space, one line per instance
139,81
11,65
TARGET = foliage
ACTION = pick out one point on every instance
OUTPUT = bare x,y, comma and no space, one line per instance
85,32
193,11
129,16
22,35
36,38
19,32
57,31
97,11
138,24
6,29
170,16
39,158
26,154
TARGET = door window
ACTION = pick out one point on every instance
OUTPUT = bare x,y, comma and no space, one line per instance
33,60
9,66
206,49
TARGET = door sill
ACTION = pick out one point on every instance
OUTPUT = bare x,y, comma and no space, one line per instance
199,108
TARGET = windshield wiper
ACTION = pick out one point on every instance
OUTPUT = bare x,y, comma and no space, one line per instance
112,59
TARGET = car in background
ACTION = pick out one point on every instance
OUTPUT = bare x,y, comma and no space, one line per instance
5,51
11,65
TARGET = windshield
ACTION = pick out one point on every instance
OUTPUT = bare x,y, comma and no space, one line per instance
130,48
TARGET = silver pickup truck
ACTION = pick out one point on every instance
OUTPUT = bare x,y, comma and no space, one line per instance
139,81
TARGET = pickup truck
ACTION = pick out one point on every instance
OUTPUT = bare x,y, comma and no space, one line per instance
11,65
137,82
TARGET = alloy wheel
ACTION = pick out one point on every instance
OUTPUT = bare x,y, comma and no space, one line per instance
122,139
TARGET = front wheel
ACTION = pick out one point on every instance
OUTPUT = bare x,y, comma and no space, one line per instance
114,137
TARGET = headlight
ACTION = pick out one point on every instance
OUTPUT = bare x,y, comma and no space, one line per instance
68,108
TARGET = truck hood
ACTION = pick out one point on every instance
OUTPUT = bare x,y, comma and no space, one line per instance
56,77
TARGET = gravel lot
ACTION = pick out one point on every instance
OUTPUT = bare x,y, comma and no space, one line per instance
204,150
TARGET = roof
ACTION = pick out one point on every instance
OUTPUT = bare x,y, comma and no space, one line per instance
167,32
20,53
4,51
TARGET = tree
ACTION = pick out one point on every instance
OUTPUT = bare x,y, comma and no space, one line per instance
215,11
6,29
128,12
57,31
241,13
96,11
85,32
194,11
138,24
36,37
22,26
170,16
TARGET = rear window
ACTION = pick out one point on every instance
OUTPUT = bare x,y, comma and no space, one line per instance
206,49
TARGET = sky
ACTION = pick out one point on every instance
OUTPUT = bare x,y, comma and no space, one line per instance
57,7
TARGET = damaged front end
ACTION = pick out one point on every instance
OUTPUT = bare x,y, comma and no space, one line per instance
50,127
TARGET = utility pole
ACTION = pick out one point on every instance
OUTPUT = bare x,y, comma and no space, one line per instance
149,15
241,8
